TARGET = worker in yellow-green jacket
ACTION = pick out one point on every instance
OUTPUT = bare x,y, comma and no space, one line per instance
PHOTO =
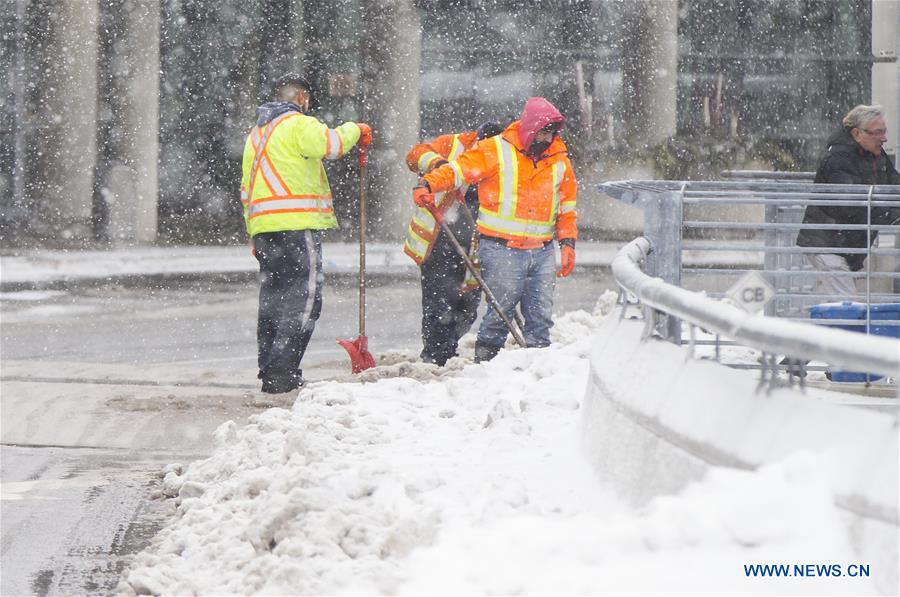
287,204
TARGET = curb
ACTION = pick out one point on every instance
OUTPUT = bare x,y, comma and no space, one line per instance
148,266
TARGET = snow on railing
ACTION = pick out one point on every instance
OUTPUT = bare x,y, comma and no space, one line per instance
840,348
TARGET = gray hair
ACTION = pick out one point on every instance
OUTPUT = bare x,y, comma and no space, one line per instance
860,116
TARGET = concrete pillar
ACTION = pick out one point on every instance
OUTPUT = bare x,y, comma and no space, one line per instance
886,91
69,143
133,186
391,58
650,69
17,214
886,75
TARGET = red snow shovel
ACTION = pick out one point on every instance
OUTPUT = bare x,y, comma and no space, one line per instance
360,357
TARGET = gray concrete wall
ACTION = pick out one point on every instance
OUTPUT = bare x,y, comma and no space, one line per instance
655,420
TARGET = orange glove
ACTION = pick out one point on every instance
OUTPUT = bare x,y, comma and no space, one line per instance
567,259
423,196
365,134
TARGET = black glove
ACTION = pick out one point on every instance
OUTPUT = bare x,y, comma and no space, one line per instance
488,129
437,164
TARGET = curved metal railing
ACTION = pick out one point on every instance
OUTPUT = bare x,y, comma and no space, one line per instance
840,348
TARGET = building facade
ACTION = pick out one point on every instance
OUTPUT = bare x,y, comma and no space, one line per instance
124,120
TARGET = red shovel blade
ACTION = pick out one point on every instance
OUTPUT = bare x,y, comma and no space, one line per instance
360,357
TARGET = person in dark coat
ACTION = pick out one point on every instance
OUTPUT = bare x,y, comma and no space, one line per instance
855,155
449,299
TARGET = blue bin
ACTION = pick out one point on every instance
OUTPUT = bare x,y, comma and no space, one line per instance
851,310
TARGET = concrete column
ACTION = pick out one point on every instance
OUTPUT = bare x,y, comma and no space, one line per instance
391,58
650,69
69,95
886,75
133,186
17,215
886,91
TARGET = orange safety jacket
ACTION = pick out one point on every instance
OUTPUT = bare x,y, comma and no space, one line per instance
423,229
525,202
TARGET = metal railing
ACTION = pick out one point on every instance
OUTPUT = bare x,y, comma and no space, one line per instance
767,175
840,348
765,241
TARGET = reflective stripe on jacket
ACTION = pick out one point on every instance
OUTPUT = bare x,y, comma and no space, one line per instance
290,189
524,202
423,228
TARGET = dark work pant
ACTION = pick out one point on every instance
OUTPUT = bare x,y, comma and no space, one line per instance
447,314
290,298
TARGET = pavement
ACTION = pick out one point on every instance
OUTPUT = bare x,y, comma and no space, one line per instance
78,404
44,269
47,269
162,403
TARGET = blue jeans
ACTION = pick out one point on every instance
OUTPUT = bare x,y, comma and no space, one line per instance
518,276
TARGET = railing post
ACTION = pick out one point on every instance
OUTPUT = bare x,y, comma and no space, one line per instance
869,259
663,217
869,256
771,260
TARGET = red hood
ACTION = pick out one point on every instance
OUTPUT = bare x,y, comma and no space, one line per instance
537,114
513,135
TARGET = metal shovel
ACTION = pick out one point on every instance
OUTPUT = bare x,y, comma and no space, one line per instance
471,219
491,299
360,357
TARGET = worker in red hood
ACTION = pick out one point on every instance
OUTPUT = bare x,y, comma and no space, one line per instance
526,195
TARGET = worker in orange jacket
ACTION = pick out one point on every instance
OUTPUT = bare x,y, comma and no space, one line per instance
526,193
449,300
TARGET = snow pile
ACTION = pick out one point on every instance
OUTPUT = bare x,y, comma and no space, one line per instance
696,542
471,481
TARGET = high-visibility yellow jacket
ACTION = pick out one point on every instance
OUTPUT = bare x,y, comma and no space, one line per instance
522,201
284,186
423,228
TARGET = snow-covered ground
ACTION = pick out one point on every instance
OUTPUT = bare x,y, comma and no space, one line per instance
472,480
41,267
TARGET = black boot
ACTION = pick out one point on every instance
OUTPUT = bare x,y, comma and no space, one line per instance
485,352
431,359
282,382
795,367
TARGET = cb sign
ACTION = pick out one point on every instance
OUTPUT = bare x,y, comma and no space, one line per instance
751,292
